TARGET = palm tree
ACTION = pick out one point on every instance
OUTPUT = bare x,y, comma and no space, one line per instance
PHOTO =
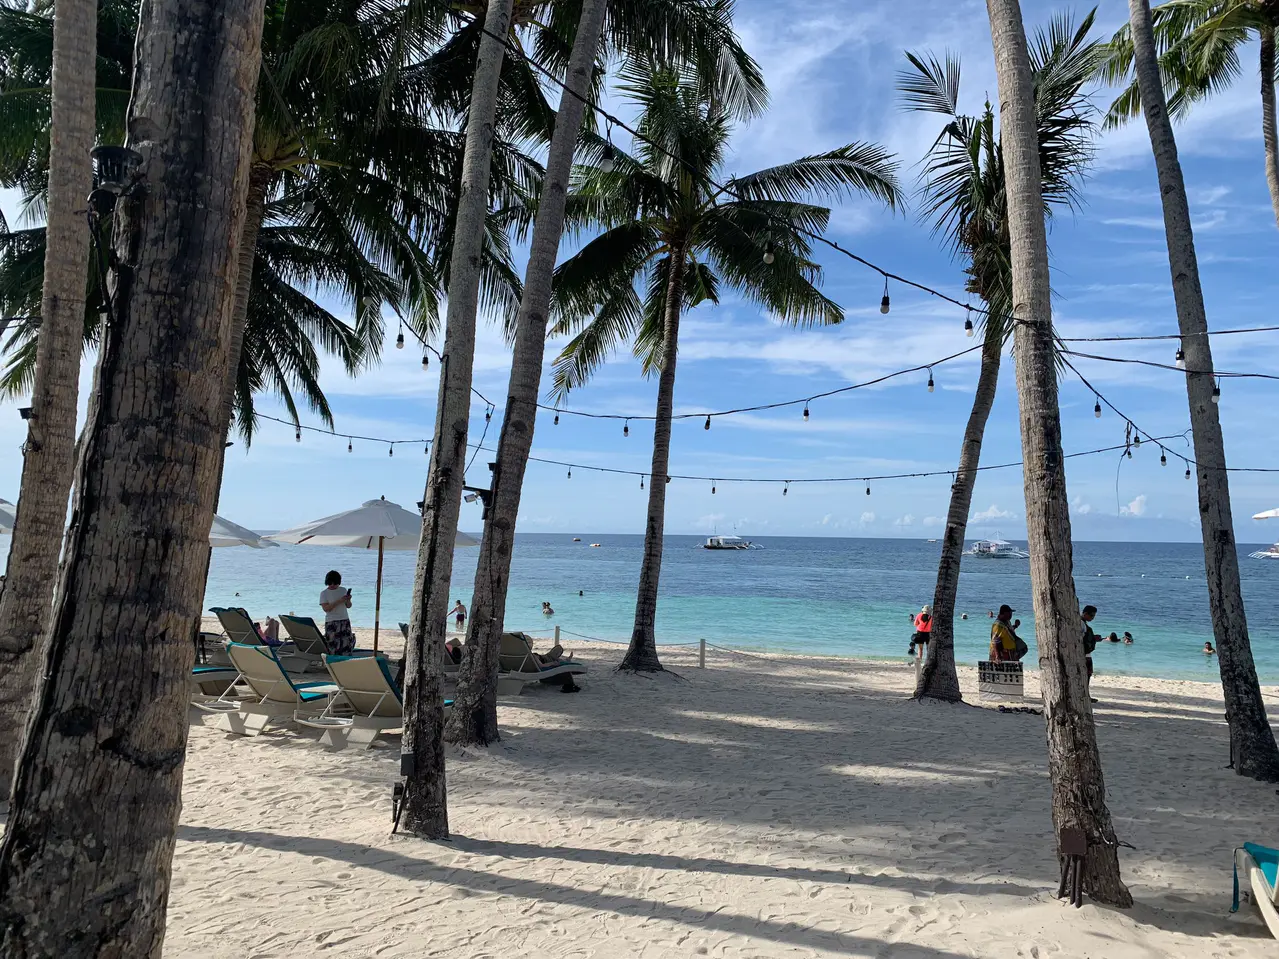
1074,762
963,192
1253,751
97,799
695,33
1197,44
670,230
49,453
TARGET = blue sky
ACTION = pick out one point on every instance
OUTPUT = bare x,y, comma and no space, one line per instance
830,65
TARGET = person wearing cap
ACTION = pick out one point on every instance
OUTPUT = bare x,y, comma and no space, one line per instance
1003,636
923,632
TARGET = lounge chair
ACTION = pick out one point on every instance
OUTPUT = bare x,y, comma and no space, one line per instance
368,692
447,666
519,665
275,695
1260,866
211,683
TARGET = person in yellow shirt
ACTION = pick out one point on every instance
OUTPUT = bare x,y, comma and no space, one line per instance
1003,636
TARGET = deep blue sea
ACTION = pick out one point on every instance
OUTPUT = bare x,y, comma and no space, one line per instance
847,597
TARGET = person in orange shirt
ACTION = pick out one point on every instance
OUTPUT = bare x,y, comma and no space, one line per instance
923,632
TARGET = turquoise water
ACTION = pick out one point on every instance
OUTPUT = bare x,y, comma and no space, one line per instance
848,597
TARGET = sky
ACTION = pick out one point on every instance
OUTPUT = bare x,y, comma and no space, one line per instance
830,67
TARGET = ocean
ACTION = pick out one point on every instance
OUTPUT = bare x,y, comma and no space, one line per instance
844,597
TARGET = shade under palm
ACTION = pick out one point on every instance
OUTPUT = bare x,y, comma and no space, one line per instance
671,238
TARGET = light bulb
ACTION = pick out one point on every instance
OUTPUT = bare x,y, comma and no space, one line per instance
426,448
1187,472
712,487
867,490
1216,393
426,362
557,419
968,327
308,202
884,304
785,490
1129,452
707,425
390,451
1163,459
607,161
805,412
297,435
104,314
488,415
641,482
930,382
1181,359
1096,410
626,428
1136,441
769,258
348,445
570,472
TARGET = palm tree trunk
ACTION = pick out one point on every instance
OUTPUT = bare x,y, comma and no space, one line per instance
641,655
939,678
475,705
49,453
86,858
425,805
1268,126
1074,763
1253,750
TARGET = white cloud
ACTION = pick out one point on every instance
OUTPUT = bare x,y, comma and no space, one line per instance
1136,508
990,515
903,521
933,521
867,518
1080,507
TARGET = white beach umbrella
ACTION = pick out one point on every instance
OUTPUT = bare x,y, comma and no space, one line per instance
376,524
1268,514
226,533
8,516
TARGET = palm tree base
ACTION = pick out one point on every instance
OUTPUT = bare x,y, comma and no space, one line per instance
641,657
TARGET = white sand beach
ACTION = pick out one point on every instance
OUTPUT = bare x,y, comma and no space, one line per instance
756,808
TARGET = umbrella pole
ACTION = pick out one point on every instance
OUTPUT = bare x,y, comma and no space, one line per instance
377,602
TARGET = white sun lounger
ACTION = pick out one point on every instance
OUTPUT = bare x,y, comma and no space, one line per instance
368,692
275,694
519,665
1260,867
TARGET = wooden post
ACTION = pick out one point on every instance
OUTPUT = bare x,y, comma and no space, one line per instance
377,601
557,635
701,653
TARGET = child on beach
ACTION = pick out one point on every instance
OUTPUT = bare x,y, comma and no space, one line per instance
335,601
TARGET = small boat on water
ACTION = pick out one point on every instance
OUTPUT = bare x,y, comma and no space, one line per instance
996,549
728,542
1273,551
577,539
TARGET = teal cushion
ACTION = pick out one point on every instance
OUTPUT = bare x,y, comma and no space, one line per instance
1267,860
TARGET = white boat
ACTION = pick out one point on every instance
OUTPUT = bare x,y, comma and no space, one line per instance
1273,551
996,549
728,542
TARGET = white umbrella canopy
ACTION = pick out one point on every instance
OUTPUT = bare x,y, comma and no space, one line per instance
1268,514
226,533
8,516
377,524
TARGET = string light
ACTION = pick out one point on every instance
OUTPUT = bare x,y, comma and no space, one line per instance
867,490
968,326
885,304
626,428
1096,410
1163,459
1187,472
488,414
570,472
769,257
399,340
390,451
708,423
930,380
786,488
608,159
349,445
1136,440
1216,392
805,412
1181,359
297,435
712,487
641,482
308,202
557,420
426,362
